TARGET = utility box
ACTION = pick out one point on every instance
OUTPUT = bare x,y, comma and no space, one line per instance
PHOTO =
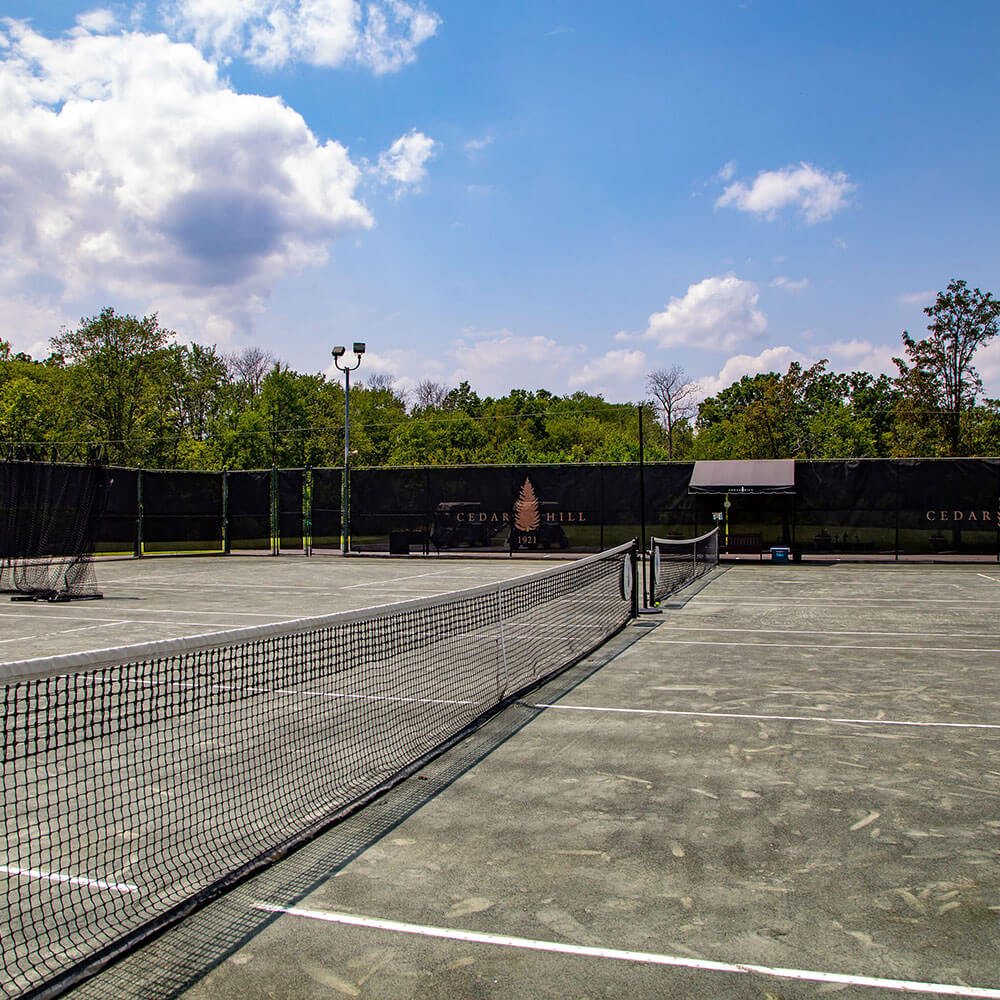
781,553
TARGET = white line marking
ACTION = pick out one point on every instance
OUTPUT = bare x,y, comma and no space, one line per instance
664,627
649,958
824,645
396,579
847,600
72,879
985,577
772,718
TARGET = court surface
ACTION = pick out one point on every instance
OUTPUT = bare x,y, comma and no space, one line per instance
167,598
787,787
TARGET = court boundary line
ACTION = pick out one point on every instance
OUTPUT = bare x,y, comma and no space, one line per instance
649,958
825,645
771,718
663,626
755,601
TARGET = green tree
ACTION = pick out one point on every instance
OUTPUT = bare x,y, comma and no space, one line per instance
938,375
118,378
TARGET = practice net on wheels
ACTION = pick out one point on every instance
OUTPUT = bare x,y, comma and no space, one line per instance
48,519
140,783
674,563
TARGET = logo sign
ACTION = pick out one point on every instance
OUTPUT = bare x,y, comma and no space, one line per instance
539,523
968,517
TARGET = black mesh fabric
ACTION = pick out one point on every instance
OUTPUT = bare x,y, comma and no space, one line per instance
326,502
117,527
48,522
181,511
248,504
290,508
140,779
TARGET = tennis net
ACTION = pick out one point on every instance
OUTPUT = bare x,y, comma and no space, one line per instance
142,782
674,563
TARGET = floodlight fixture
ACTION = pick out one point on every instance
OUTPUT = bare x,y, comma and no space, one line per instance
345,518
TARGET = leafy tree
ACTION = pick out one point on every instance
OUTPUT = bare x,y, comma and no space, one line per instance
118,371
938,375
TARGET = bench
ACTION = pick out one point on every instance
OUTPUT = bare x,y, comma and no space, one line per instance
749,543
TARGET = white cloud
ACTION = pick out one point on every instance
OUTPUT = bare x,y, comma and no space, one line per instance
918,298
861,355
475,146
99,22
715,314
407,367
773,359
381,35
988,366
615,368
817,195
788,285
404,162
727,172
495,362
131,171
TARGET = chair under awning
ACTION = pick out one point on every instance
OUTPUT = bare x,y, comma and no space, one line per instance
759,475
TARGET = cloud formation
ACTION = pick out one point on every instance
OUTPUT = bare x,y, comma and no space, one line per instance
130,167
816,194
620,367
772,359
788,285
380,35
404,163
715,314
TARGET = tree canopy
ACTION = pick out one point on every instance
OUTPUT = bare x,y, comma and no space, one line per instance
123,390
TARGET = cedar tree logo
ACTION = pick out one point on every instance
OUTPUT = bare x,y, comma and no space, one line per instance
526,516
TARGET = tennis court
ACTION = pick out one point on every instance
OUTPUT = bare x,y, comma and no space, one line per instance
786,786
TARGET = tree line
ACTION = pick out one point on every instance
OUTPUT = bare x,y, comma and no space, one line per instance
119,389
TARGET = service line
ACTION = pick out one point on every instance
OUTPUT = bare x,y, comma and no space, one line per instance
770,718
650,958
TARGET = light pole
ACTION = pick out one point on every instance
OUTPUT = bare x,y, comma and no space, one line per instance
345,508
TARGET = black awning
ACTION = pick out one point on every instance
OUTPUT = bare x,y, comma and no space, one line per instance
762,475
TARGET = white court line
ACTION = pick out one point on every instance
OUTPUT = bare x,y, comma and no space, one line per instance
649,958
154,621
824,645
72,879
772,718
849,600
664,627
65,631
985,577
397,579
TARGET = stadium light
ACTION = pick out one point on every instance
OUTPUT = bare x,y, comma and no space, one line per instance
345,507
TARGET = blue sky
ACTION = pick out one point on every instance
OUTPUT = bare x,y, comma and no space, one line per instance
549,194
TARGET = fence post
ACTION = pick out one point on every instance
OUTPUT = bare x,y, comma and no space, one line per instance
307,510
225,511
275,525
138,514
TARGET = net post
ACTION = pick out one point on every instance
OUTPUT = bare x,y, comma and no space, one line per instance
634,556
